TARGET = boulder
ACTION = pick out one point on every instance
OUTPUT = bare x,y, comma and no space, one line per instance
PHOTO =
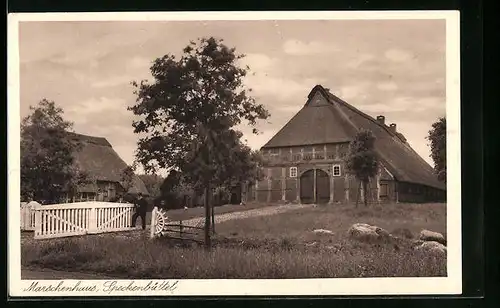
322,231
432,247
430,236
366,232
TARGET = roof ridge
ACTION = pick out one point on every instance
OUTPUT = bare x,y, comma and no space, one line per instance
101,141
361,113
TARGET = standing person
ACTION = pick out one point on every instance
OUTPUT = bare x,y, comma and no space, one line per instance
141,206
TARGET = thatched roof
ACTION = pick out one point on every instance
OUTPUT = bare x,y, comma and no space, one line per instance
336,121
98,158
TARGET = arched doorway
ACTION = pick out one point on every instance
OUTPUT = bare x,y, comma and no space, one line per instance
315,187
307,187
322,187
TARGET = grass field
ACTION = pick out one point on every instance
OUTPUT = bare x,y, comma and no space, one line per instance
276,246
297,226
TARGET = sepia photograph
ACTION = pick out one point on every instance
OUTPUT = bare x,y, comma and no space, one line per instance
151,153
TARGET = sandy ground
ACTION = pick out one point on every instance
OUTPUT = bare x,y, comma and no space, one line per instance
271,210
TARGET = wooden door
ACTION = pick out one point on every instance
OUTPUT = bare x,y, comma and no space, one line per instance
338,189
307,187
322,187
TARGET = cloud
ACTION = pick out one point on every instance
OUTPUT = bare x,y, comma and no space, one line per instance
79,56
137,68
398,55
290,108
387,86
353,91
259,62
112,82
101,105
256,141
406,104
379,108
360,60
280,88
139,62
300,48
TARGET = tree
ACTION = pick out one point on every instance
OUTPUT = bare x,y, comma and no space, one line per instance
48,169
153,183
362,160
127,179
437,138
190,111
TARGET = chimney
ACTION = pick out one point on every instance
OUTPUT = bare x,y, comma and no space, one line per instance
381,119
392,128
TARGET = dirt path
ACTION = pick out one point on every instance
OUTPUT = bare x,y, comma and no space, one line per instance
271,210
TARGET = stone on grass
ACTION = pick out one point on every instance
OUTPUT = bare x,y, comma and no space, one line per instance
432,247
312,244
430,236
323,231
366,232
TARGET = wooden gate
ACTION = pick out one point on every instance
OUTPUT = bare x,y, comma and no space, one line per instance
71,219
307,187
322,187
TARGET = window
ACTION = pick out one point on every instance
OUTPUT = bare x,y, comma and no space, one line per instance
336,170
293,172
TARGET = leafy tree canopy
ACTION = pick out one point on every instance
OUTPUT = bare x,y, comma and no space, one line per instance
48,169
437,139
188,114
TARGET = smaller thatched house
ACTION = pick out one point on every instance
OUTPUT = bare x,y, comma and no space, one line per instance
97,158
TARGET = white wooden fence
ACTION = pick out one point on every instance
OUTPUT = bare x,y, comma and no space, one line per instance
27,217
70,219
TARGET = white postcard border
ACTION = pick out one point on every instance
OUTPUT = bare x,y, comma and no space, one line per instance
452,284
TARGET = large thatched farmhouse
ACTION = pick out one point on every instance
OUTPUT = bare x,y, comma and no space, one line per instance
104,167
305,159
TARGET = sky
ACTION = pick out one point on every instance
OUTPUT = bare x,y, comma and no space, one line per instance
394,68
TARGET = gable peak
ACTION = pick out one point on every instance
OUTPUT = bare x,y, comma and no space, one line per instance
317,88
318,97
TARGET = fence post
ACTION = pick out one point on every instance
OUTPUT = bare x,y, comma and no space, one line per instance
38,221
152,225
93,220
23,217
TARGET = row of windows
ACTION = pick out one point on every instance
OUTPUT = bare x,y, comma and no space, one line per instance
336,171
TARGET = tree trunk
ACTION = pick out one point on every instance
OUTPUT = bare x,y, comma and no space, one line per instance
365,192
207,217
357,195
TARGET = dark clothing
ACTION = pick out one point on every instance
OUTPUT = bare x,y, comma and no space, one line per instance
143,219
141,207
